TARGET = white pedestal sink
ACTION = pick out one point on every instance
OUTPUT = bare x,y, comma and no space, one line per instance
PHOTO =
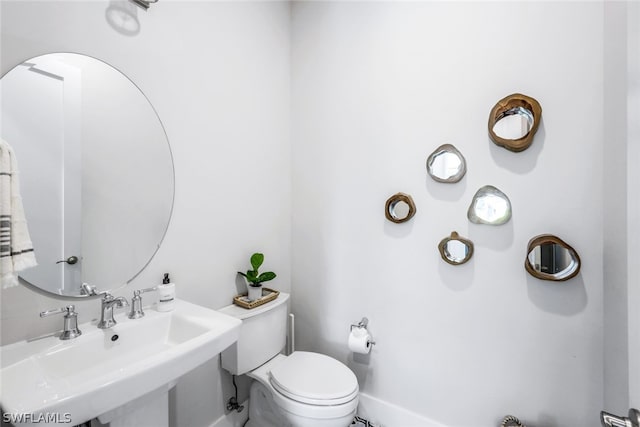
52,382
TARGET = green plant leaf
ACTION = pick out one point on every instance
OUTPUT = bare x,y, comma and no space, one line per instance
242,274
256,261
265,277
252,276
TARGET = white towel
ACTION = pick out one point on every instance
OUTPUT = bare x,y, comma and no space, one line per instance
16,249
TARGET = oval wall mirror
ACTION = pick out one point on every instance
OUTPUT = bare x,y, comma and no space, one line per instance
489,206
96,173
513,122
400,208
455,250
550,258
446,164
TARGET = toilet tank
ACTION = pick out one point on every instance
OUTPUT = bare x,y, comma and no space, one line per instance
263,334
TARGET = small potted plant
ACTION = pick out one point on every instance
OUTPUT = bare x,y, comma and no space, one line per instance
255,279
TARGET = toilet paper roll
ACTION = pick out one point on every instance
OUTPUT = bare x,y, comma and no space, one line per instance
360,341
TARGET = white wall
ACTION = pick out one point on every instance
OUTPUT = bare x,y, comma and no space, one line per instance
218,75
376,88
633,195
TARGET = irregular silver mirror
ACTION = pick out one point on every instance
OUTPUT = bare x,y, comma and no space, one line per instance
550,258
96,170
513,122
489,206
455,250
400,208
446,164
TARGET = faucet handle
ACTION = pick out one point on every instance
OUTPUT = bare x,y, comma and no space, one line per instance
70,329
137,292
136,302
68,310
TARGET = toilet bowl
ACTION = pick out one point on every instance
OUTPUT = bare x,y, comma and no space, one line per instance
303,389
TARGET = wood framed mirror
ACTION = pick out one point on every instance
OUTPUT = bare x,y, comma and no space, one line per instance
400,208
455,250
513,122
551,258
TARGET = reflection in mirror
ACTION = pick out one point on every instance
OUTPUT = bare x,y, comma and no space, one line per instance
489,206
446,164
455,250
550,258
96,172
513,122
400,208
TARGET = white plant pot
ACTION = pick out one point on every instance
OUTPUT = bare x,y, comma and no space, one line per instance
255,292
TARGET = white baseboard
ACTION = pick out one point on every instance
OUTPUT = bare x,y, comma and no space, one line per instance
386,414
234,419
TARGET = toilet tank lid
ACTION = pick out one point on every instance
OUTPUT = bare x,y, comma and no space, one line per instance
244,313
314,376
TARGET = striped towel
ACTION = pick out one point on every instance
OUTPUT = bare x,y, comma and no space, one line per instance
16,249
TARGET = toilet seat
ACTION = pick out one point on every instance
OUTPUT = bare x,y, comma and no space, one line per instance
314,379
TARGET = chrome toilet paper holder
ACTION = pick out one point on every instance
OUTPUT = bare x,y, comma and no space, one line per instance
362,324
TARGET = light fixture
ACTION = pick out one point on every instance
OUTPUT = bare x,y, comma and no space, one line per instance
144,3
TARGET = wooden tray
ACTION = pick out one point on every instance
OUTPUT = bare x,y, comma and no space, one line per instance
267,295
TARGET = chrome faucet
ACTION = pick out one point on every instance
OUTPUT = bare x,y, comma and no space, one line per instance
136,303
108,301
70,329
610,420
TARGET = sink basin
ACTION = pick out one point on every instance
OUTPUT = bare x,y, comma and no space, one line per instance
104,369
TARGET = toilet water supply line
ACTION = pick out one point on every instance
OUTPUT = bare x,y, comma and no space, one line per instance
232,403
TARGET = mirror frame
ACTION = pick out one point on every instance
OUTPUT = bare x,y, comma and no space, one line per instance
507,103
450,149
391,203
455,236
550,238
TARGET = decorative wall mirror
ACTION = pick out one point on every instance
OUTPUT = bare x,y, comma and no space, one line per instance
96,172
446,164
400,208
550,258
513,122
489,206
455,250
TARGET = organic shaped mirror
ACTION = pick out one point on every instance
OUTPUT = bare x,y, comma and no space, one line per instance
446,164
95,167
489,206
400,208
513,122
455,250
550,258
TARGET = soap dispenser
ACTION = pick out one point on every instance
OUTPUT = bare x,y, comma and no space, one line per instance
166,294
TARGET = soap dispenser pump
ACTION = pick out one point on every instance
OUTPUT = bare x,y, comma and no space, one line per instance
166,294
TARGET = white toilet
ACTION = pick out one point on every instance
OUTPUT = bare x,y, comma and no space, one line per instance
303,389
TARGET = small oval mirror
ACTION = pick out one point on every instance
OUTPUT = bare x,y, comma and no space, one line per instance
550,258
455,250
446,164
400,208
514,121
489,206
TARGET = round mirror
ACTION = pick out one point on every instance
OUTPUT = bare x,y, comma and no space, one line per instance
513,122
446,164
550,258
400,208
489,206
455,250
96,171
